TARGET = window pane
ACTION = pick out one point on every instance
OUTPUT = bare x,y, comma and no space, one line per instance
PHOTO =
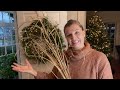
8,30
14,48
13,39
1,40
9,49
11,18
111,32
6,17
13,32
2,51
1,30
1,37
0,16
8,40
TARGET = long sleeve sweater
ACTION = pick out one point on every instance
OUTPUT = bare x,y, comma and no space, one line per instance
83,64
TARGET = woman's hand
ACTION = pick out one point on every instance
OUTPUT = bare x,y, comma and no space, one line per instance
24,68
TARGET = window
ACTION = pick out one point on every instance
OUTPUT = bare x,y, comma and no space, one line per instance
7,44
7,33
111,32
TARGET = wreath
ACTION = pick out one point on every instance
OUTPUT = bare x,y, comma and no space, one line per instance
37,31
42,41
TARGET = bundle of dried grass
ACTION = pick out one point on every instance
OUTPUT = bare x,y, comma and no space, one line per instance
43,41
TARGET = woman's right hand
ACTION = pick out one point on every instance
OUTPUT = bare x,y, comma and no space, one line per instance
24,68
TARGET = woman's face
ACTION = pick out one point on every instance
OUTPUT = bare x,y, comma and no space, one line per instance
75,36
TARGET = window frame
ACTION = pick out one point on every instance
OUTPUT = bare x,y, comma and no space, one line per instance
14,24
106,24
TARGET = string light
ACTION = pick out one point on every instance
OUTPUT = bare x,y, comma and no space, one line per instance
97,34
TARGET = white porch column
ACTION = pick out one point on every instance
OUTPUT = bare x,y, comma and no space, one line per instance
78,15
81,17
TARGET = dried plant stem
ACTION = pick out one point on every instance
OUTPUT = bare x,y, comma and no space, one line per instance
48,49
57,62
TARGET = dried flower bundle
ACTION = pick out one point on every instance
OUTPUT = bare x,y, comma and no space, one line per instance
44,42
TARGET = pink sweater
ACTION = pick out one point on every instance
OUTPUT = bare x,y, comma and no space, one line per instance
84,64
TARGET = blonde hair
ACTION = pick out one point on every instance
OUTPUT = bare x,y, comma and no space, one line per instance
70,22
